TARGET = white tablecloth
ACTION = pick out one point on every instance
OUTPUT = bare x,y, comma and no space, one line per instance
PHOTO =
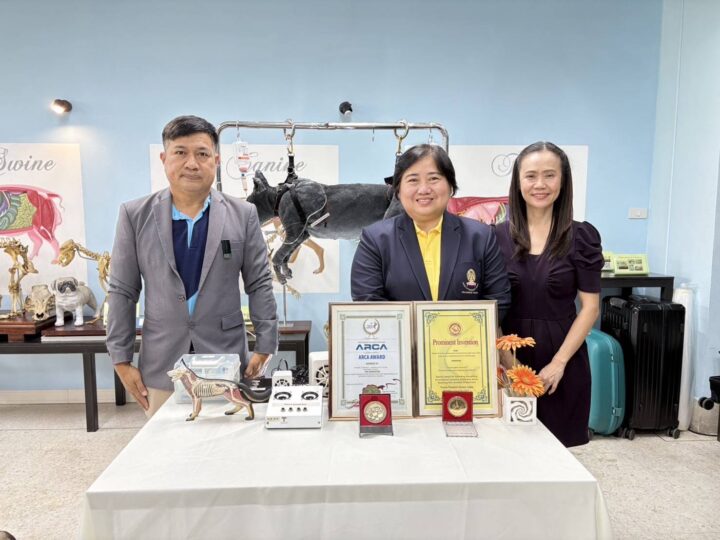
224,477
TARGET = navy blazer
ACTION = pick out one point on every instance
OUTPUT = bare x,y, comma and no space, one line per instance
388,264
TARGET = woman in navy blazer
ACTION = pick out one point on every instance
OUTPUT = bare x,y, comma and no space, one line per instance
388,263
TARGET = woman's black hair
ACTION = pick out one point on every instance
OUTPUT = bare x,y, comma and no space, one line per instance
415,154
558,242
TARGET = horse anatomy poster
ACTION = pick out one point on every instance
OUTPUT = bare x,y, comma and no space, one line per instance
41,205
317,266
485,171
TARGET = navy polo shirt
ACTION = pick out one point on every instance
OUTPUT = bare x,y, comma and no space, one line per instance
189,239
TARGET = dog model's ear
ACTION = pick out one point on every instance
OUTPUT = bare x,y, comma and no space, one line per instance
261,180
75,281
53,285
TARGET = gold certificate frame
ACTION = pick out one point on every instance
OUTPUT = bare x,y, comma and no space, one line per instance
456,351
370,350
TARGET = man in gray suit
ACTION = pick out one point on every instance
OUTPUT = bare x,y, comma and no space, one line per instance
188,243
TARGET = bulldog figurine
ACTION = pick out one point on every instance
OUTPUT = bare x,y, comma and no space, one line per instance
72,295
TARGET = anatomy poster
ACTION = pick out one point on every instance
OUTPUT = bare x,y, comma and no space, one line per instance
317,266
485,171
41,206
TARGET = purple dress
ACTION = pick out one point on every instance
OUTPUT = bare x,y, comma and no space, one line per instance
543,307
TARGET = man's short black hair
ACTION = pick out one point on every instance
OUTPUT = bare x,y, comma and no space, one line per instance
182,126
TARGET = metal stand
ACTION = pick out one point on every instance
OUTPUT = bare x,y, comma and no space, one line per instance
291,126
285,323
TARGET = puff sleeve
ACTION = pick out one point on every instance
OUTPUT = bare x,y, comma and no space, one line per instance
588,257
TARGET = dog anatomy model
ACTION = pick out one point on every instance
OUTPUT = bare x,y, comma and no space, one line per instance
199,387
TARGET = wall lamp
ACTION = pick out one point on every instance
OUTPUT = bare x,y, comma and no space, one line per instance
61,106
346,109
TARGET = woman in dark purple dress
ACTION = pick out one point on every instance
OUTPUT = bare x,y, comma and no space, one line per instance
551,261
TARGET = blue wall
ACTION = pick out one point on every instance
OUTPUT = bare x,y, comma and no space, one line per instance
684,228
493,72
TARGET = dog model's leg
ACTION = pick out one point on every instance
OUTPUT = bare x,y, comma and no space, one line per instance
317,249
79,321
197,405
99,312
251,411
294,236
59,316
294,256
278,273
319,252
236,396
234,410
229,394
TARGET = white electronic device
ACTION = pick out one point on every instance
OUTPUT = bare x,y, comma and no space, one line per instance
319,372
294,407
282,378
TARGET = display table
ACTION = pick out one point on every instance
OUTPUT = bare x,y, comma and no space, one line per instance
627,283
224,477
74,341
294,339
89,340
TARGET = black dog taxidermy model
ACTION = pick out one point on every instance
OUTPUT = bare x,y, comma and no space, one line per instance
307,208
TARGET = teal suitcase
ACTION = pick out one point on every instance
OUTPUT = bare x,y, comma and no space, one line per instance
607,401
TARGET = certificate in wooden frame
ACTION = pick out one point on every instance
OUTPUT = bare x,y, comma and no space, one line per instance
370,347
456,352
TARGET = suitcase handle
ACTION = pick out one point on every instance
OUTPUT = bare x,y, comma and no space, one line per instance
618,412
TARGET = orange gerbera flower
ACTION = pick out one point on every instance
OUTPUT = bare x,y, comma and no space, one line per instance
525,381
512,342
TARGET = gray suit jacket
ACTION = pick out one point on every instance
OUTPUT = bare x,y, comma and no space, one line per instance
143,251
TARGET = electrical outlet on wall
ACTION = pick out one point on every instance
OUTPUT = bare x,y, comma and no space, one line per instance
637,213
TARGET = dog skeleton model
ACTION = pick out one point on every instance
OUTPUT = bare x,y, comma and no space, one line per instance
198,388
67,253
21,267
72,295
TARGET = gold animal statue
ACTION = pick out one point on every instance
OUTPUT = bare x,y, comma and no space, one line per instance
21,267
70,248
